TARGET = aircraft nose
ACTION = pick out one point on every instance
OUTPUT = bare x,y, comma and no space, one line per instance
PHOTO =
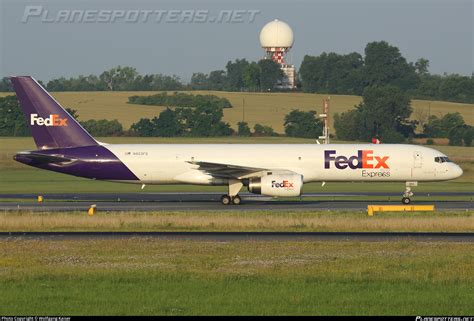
457,171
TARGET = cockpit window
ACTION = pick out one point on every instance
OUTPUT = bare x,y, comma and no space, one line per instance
442,159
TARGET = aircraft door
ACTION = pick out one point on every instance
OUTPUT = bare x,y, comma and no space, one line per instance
418,159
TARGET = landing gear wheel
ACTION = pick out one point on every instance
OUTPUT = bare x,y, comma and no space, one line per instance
225,199
408,193
236,200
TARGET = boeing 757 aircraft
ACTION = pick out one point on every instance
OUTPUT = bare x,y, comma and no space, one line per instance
274,170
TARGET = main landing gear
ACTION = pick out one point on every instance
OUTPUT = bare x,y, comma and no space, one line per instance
227,200
406,199
233,197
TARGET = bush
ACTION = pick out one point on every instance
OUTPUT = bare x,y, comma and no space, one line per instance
303,124
243,129
103,127
181,100
198,122
143,128
441,127
468,136
262,130
461,135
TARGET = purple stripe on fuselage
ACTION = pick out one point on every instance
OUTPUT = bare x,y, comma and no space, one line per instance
95,162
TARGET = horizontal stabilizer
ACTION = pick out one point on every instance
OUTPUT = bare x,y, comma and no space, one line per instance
31,158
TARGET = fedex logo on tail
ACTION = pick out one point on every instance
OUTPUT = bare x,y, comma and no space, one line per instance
363,159
52,120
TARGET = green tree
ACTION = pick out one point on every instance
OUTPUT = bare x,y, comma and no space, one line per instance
167,124
103,127
455,136
303,124
243,129
144,128
270,74
421,66
251,77
12,120
384,65
457,88
332,73
217,79
347,125
203,121
468,135
441,127
119,78
263,130
383,112
235,71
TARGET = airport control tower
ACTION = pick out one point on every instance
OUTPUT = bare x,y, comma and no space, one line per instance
276,38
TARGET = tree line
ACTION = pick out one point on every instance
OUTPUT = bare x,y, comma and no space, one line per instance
207,121
239,75
180,100
381,65
202,121
115,79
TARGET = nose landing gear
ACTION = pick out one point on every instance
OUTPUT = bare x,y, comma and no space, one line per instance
408,193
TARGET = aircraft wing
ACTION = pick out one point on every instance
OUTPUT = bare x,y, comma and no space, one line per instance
228,171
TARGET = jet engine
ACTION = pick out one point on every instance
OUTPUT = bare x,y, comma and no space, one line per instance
277,185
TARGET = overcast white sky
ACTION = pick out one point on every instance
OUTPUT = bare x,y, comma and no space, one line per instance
441,31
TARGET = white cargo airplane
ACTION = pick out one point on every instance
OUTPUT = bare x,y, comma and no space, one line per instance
274,170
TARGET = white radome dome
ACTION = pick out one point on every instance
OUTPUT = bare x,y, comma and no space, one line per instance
276,34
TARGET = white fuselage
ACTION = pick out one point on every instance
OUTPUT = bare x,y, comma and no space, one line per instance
170,164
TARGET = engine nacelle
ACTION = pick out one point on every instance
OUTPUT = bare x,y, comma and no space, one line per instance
277,185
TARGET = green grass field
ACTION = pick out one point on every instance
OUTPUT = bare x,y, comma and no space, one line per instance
238,221
264,108
146,276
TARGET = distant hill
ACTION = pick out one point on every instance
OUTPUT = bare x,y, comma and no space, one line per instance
264,108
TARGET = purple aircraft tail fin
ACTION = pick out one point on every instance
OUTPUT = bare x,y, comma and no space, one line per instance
51,126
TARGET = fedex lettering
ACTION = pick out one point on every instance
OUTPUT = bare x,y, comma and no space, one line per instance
52,120
363,159
284,184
